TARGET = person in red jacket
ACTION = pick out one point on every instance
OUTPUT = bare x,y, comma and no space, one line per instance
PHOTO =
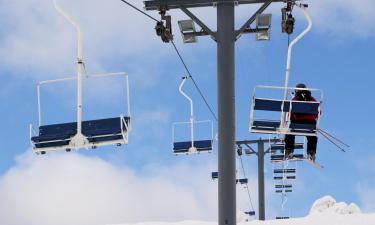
302,95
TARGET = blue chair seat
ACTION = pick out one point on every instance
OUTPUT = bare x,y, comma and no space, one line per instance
266,125
284,170
250,213
105,129
299,127
285,191
102,130
56,143
242,181
281,147
54,135
283,186
283,217
286,177
183,147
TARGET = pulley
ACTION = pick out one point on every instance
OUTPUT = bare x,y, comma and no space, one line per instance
287,19
163,27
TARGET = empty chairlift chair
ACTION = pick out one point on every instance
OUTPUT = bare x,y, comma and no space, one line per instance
192,145
80,134
250,213
95,133
276,112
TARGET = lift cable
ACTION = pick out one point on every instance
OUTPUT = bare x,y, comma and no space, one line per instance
180,57
195,83
134,7
247,186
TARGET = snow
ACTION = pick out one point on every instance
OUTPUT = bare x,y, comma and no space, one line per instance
329,204
324,211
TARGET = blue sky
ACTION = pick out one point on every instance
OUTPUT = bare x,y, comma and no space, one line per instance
37,44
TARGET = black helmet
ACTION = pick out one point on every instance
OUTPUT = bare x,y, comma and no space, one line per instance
303,95
300,85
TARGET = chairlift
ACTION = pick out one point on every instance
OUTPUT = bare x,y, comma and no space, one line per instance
191,146
281,106
277,151
280,147
284,191
284,171
80,134
281,186
242,181
250,213
279,122
285,178
282,217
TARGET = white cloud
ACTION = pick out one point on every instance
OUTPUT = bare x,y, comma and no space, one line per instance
36,41
344,18
41,43
75,189
366,185
366,195
71,188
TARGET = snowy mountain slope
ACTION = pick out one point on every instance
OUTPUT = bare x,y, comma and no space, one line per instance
321,219
325,211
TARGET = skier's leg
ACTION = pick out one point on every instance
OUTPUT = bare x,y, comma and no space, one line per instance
311,144
289,144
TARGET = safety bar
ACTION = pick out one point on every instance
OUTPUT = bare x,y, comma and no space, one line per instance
195,122
93,76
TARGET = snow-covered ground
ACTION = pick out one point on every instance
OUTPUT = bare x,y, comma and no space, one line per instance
325,211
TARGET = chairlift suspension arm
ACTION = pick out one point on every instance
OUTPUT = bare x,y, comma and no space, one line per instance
289,56
80,67
299,37
76,25
191,109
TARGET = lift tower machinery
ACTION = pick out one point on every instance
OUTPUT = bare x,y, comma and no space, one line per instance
225,36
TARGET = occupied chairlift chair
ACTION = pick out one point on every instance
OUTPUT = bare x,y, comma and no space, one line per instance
284,107
80,134
191,146
281,124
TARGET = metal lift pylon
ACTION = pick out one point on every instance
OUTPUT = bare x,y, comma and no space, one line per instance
247,147
225,37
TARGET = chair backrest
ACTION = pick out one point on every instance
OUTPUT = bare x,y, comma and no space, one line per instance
276,106
89,128
58,129
103,126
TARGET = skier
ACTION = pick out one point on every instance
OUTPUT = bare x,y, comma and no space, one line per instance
302,95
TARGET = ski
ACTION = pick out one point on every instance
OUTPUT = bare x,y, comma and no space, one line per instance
295,159
315,164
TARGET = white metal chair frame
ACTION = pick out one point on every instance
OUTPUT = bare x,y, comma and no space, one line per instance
284,118
124,130
191,122
79,140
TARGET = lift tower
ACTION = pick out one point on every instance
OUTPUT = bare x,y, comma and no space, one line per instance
225,36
